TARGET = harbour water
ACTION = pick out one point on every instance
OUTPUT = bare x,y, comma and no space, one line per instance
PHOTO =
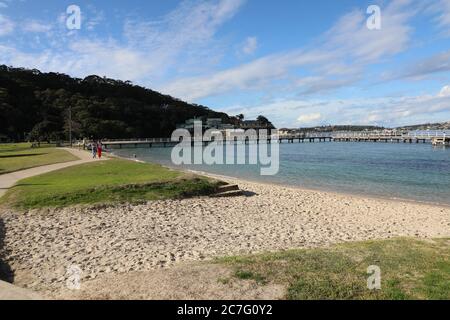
417,172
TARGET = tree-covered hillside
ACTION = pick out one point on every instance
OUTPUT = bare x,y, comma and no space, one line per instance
335,128
428,126
35,105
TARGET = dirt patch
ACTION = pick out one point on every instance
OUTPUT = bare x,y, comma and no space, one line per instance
185,282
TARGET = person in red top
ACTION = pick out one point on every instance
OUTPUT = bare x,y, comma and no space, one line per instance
99,150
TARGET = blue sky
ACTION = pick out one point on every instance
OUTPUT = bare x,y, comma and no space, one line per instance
300,63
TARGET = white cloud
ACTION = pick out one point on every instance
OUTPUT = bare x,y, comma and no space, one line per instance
309,118
82,58
6,25
385,111
148,51
351,36
253,75
250,45
445,92
36,27
420,69
189,24
310,85
441,9
112,59
337,59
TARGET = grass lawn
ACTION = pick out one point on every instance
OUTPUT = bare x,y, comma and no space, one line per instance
19,156
109,181
410,269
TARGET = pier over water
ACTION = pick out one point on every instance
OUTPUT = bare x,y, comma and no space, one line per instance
432,137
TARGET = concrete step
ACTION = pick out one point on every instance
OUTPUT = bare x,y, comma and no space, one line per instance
228,187
232,193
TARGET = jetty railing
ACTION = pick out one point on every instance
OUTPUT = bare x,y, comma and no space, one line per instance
427,135
354,136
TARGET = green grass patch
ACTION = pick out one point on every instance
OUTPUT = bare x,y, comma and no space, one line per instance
410,269
249,275
20,156
112,181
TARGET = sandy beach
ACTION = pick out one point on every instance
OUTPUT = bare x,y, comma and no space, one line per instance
114,241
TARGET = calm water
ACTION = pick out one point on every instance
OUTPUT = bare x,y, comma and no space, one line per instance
409,171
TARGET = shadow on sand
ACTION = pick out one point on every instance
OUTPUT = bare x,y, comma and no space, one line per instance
6,273
249,193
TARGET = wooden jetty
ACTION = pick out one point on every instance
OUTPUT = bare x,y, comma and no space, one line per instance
382,139
411,137
167,142
139,143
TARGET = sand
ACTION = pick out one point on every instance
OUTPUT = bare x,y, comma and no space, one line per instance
113,243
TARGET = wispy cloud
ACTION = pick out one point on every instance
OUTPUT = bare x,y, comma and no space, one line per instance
36,26
6,25
254,75
310,118
187,31
149,48
250,45
93,17
445,92
441,9
350,37
335,59
387,111
420,69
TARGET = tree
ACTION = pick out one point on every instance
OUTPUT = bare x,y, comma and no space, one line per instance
264,122
45,131
31,101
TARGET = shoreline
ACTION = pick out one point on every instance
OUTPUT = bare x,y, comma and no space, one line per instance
306,189
291,186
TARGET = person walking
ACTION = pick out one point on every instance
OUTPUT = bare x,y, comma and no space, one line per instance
99,150
94,150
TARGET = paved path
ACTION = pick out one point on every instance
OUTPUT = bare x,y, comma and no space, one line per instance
10,179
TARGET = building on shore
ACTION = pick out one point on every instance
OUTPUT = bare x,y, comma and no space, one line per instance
229,131
285,132
210,123
256,125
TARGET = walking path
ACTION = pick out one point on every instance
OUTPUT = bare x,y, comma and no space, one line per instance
10,179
